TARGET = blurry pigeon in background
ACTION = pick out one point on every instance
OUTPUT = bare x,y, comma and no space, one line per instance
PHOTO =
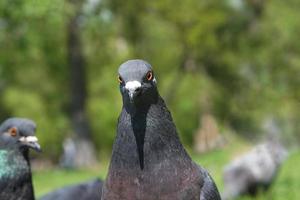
17,135
90,190
254,170
148,160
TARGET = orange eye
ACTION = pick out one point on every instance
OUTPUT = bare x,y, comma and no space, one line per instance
149,76
120,79
13,132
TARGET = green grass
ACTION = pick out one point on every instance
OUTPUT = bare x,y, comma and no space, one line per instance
47,180
286,186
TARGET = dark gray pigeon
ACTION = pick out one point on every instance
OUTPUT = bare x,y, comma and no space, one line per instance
254,170
90,190
148,160
17,135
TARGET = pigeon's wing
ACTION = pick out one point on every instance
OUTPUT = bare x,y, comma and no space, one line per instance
209,191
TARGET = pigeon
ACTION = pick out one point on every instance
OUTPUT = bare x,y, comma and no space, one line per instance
148,160
17,136
254,170
90,190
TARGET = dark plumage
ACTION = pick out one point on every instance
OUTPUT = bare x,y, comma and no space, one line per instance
90,190
256,169
148,160
17,135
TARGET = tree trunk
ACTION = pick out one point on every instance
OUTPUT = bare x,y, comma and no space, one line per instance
78,150
208,137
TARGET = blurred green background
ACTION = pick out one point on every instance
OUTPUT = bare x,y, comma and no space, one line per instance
234,60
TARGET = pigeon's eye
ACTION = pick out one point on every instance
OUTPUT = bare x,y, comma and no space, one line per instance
13,132
149,76
120,79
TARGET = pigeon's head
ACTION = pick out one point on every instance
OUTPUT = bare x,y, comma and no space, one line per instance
18,133
137,82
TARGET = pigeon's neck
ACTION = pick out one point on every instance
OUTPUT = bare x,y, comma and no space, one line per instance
15,171
147,138
11,162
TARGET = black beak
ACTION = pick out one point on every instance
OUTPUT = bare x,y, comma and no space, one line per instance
31,142
35,146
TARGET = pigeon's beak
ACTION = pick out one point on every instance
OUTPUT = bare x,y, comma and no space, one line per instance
133,88
31,142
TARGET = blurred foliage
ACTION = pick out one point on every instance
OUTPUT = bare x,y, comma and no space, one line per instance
238,60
